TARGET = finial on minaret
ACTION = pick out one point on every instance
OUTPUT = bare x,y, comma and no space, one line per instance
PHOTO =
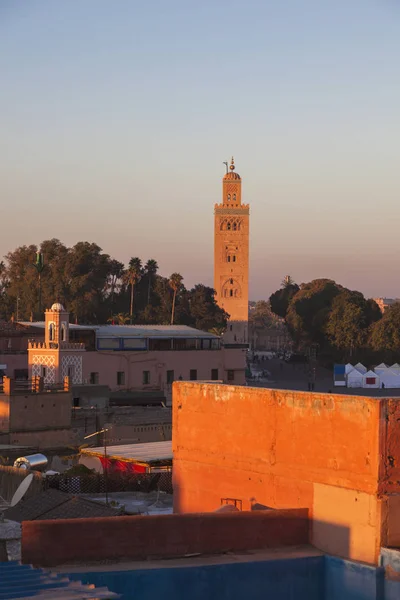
232,167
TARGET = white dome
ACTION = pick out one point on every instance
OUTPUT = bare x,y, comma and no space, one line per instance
57,307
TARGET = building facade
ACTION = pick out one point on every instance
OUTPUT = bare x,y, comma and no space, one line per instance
231,257
129,357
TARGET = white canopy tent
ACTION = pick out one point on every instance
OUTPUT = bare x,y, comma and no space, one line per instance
360,367
370,380
354,379
389,378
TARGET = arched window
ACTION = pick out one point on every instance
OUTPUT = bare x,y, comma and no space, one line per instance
229,197
234,226
231,293
233,258
229,258
63,333
51,332
234,197
231,281
228,226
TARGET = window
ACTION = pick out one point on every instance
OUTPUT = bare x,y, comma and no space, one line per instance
120,377
370,380
229,258
63,332
214,374
230,327
231,375
233,258
234,197
234,227
193,374
231,293
206,344
146,377
71,371
170,376
229,197
51,332
231,281
94,378
228,226
43,372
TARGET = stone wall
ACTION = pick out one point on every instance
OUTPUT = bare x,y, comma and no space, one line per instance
337,455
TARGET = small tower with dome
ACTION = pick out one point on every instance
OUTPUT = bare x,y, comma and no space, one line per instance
56,357
56,325
231,257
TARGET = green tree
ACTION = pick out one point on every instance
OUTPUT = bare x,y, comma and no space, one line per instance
205,313
280,300
114,280
119,319
132,277
175,283
347,324
385,334
309,309
150,268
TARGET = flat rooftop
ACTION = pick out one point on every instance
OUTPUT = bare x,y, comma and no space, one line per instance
134,331
247,556
139,453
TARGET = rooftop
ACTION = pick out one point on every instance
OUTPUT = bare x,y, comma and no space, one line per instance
146,331
53,504
144,453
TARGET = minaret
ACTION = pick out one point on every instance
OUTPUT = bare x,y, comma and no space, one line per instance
231,257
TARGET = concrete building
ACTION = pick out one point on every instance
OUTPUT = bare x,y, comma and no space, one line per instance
231,257
35,418
126,357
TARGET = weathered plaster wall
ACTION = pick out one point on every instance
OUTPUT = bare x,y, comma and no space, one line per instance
337,455
57,542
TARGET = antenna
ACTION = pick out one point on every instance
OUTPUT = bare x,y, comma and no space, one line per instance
18,495
21,490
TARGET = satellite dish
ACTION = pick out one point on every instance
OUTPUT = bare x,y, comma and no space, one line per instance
22,489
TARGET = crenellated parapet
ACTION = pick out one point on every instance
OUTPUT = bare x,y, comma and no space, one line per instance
34,345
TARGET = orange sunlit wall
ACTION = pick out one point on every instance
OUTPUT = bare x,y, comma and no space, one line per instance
289,449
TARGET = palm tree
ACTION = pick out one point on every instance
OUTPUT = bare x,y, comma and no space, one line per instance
175,283
120,318
151,268
132,276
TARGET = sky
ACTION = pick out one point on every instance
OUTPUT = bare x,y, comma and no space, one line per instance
116,117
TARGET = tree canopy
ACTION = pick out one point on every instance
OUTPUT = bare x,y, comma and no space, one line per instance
324,314
96,288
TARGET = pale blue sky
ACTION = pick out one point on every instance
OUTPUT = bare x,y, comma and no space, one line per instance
116,116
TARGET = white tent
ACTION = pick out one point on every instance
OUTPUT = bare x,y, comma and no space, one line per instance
382,368
370,380
360,367
390,379
395,368
354,379
348,368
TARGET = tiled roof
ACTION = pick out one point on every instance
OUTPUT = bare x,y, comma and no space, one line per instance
53,504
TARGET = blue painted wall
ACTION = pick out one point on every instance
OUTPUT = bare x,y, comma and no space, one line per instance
308,578
291,579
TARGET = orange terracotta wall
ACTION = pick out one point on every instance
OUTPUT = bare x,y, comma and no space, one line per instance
56,542
286,449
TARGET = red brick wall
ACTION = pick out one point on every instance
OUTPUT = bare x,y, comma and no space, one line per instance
51,543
